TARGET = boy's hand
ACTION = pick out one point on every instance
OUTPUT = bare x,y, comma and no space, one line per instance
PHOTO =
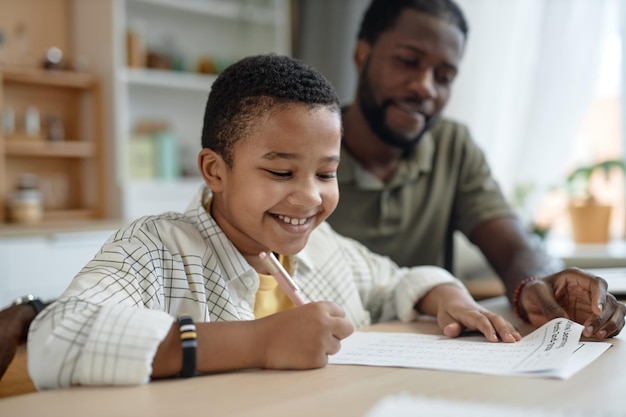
456,311
303,337
457,316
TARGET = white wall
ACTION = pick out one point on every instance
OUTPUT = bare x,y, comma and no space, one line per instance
45,264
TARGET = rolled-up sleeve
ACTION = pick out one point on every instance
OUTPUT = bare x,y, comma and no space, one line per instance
386,290
101,330
77,343
414,285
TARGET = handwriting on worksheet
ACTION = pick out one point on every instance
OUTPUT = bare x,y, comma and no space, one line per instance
552,350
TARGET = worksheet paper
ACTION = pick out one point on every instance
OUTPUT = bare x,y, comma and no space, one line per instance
553,350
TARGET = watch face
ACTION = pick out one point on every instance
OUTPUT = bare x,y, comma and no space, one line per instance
24,299
31,300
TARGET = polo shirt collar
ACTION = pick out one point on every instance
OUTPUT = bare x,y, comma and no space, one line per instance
417,161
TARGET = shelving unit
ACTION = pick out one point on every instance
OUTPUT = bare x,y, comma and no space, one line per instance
92,34
224,30
95,170
70,172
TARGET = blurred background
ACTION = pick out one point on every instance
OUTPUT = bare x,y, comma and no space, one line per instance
102,104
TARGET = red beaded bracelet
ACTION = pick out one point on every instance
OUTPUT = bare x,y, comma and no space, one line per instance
516,304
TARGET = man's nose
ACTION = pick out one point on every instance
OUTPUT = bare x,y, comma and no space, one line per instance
423,84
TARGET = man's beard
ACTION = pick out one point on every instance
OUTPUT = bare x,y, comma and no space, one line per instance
375,117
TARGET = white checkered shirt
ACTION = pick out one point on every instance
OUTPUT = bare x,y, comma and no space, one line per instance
106,327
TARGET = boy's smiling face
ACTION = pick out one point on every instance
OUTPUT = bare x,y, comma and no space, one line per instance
282,183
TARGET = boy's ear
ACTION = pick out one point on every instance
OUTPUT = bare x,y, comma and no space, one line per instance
361,53
212,168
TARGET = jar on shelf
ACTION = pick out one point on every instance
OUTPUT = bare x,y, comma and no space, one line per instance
8,121
32,124
136,44
25,204
56,130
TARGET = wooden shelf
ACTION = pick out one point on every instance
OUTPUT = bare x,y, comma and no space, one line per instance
59,224
48,78
69,215
227,9
168,79
41,148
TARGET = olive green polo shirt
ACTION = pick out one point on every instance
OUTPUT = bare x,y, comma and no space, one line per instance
444,179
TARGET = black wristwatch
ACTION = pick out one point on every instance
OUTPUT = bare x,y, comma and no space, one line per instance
30,299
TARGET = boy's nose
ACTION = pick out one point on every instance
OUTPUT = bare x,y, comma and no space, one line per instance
306,193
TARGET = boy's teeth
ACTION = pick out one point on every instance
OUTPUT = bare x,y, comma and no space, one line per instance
294,222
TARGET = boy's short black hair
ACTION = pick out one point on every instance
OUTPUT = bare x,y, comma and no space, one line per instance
381,15
253,87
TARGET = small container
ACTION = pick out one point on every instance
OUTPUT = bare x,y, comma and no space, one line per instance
32,125
168,161
25,204
8,121
56,130
136,45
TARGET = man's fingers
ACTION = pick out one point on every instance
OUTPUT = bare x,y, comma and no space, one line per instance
609,323
539,300
599,292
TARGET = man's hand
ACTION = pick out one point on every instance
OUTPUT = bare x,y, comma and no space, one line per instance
13,322
577,295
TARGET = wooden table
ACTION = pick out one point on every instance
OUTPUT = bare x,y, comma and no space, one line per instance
15,380
337,390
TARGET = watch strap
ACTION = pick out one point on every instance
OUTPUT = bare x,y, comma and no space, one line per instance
37,304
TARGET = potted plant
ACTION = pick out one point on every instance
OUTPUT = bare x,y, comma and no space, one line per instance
590,218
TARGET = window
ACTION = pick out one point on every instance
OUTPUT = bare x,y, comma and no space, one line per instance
599,138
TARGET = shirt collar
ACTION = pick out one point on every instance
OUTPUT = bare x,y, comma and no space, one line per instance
233,262
417,161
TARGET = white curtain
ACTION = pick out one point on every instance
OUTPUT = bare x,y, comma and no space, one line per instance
527,80
622,22
524,84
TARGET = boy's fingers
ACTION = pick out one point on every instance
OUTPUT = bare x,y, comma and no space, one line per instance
343,329
492,326
476,321
452,330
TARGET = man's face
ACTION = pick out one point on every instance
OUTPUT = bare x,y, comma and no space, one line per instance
406,76
282,183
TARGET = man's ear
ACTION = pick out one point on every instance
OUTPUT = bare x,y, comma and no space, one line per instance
361,54
212,168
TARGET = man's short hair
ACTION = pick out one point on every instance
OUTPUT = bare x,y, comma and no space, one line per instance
254,87
381,15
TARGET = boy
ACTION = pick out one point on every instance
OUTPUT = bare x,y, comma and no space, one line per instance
271,143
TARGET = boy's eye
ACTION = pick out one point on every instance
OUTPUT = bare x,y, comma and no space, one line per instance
327,175
286,174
